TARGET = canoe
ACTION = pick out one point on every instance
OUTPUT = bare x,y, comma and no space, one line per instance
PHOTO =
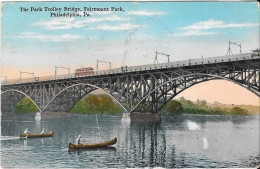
82,150
50,134
94,145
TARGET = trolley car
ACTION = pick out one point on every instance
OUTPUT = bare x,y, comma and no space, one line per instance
84,71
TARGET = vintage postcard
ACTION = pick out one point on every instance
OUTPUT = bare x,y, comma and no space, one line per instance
136,84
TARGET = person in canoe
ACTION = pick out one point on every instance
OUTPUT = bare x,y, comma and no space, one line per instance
78,140
42,131
26,132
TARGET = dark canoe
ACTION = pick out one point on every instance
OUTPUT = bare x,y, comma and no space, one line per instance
95,145
50,134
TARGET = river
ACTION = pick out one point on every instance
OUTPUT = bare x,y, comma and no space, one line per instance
178,141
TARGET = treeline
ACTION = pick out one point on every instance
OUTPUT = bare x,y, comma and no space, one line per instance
93,104
200,107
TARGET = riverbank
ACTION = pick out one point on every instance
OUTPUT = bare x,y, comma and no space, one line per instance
183,106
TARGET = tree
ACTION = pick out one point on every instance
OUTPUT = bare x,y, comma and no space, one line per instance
93,102
238,111
182,98
174,107
25,105
202,104
106,103
100,103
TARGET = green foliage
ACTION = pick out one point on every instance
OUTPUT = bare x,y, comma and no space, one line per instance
219,110
202,104
174,107
81,108
201,107
93,104
24,106
105,103
238,111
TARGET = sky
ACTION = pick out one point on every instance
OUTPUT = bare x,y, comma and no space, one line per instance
36,41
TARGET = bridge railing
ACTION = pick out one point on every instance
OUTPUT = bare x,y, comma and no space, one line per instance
189,62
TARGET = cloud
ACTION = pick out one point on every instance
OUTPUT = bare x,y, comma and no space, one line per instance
145,13
27,33
46,38
211,24
60,23
69,23
192,33
116,18
126,26
196,28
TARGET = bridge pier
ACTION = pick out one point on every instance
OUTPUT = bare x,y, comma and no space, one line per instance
145,117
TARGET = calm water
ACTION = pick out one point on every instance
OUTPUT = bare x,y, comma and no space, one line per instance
179,141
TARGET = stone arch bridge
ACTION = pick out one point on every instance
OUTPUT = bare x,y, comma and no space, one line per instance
145,88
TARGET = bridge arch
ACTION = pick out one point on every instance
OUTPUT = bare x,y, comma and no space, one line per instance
81,84
207,77
14,90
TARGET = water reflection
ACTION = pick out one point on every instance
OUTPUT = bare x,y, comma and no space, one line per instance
100,149
144,145
205,143
173,157
25,142
193,126
38,125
